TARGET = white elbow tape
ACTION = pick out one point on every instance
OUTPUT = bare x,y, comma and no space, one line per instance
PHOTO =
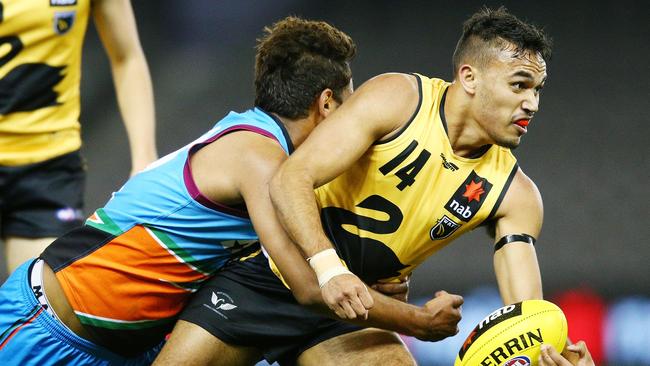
327,265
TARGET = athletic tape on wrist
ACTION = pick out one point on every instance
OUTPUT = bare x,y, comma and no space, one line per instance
327,265
323,278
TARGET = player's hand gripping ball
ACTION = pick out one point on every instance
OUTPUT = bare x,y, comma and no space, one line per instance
512,335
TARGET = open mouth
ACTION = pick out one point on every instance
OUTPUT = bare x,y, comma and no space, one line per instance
523,123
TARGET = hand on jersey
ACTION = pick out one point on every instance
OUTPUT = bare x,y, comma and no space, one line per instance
445,309
396,290
347,296
574,355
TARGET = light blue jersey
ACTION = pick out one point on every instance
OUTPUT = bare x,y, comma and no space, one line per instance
128,272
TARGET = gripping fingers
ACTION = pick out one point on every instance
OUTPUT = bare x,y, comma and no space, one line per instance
343,310
545,358
457,301
346,305
550,357
360,301
340,312
580,348
348,309
397,290
366,298
357,308
391,288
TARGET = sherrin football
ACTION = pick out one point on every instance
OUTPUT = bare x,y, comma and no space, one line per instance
512,335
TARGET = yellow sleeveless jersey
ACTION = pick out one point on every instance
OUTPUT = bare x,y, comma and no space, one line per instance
40,72
409,196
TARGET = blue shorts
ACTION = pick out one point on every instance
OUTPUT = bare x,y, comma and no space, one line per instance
29,335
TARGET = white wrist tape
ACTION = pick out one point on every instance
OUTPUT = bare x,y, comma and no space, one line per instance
323,278
327,265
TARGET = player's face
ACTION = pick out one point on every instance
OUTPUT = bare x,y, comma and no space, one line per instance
508,95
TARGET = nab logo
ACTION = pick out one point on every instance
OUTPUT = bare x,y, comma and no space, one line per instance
469,197
499,313
448,165
518,361
496,317
443,228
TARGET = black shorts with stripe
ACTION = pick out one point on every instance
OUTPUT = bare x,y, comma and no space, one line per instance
245,304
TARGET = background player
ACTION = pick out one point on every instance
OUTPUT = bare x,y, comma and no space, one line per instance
412,163
41,171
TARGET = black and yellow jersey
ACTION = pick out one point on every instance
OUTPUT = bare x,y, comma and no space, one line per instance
409,196
40,73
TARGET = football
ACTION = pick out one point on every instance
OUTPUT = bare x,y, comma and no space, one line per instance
512,335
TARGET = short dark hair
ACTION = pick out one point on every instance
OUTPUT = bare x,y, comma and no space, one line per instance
493,28
296,60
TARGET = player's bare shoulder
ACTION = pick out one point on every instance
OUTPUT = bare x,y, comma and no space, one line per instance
237,171
525,192
390,99
399,88
394,81
522,205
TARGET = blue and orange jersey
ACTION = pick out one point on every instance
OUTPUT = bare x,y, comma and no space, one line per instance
130,269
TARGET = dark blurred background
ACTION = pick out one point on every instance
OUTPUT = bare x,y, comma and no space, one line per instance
587,149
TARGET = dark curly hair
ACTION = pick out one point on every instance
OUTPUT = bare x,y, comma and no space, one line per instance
495,28
296,60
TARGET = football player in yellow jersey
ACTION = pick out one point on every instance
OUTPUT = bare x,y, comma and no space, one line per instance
500,69
41,172
399,143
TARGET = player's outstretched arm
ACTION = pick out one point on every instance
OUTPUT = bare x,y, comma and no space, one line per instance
518,223
436,320
376,109
578,353
118,32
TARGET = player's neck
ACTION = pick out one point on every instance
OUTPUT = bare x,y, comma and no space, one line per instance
465,134
298,129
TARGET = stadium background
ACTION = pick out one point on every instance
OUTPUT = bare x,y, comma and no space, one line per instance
587,148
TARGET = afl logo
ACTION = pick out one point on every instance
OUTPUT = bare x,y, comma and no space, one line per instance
518,361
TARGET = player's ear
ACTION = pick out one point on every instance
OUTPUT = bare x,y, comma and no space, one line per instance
326,102
467,75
